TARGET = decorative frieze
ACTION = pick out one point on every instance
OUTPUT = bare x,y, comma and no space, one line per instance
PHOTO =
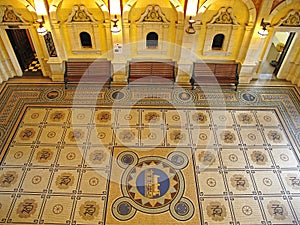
80,14
224,16
153,13
9,15
292,19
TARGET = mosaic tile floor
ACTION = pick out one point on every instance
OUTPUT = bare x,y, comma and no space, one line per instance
119,156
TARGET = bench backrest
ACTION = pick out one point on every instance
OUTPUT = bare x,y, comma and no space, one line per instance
97,68
144,69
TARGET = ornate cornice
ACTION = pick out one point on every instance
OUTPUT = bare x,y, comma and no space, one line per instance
153,13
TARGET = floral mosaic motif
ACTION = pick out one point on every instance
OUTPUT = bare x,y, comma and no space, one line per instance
152,136
228,137
277,210
284,157
81,116
104,117
57,116
36,179
211,182
128,117
267,181
126,136
247,210
177,136
71,156
57,209
222,118
259,157
207,157
294,181
89,210
44,155
251,136
216,211
51,134
267,119
233,157
27,208
94,181
101,135
176,117
18,155
34,116
203,136
152,117
64,180
245,118
239,182
275,136
76,135
27,134
8,179
98,156
199,117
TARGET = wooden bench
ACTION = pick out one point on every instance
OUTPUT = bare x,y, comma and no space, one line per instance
151,73
215,74
88,72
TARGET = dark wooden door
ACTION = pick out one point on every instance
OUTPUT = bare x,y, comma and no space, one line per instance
22,46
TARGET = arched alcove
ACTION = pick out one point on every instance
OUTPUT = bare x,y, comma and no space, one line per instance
152,40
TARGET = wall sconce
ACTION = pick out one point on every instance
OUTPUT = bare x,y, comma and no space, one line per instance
41,29
263,32
190,29
115,29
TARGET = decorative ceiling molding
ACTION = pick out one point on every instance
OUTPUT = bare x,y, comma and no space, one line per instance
224,16
153,13
291,20
80,14
9,15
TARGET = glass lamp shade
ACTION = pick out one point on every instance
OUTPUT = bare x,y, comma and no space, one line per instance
115,29
42,30
263,33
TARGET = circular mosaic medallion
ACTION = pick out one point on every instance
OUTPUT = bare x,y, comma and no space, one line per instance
184,96
179,160
284,157
36,179
117,95
57,209
267,181
211,182
126,159
248,97
122,209
18,155
34,116
153,183
53,94
182,210
233,157
247,210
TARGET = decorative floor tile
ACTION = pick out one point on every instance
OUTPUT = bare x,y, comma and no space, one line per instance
121,159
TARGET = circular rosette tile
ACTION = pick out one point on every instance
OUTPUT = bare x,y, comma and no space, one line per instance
126,159
182,210
152,184
122,209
